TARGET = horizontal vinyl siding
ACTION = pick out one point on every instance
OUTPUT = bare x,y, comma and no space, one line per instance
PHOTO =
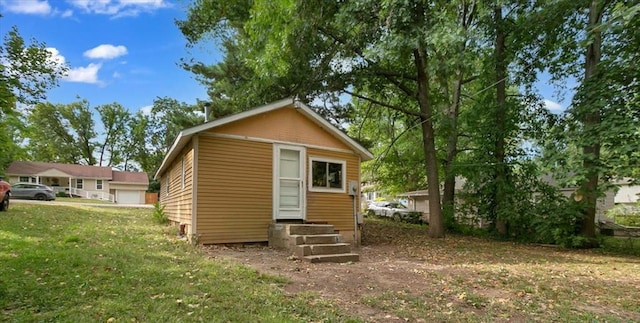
333,208
178,203
234,190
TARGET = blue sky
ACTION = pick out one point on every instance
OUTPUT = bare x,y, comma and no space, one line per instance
123,51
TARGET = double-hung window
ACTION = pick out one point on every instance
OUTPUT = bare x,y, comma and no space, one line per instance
79,183
98,184
327,175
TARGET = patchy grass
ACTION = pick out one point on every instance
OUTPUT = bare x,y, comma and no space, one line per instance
80,264
81,200
472,279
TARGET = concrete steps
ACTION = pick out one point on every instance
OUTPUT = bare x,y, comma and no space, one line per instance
312,242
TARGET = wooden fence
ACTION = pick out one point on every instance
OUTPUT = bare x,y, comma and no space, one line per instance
150,198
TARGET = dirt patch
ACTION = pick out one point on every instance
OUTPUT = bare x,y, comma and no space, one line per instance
378,271
404,276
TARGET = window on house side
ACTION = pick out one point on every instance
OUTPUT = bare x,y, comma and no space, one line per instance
79,183
327,175
24,179
98,184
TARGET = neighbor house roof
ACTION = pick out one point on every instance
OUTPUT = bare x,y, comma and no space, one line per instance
185,135
29,168
459,186
130,177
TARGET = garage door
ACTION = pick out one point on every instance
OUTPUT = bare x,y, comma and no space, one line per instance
128,197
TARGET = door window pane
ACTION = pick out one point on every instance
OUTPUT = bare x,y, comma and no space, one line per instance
289,193
289,163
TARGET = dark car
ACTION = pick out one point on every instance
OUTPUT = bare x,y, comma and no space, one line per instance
32,191
5,194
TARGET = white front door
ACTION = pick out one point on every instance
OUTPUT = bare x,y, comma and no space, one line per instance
288,182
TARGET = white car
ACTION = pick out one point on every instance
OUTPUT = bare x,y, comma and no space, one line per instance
389,209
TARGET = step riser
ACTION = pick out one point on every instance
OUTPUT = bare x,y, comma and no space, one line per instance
322,239
334,258
313,250
314,239
310,229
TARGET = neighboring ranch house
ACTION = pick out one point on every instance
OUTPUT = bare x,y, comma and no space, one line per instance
82,180
228,180
627,193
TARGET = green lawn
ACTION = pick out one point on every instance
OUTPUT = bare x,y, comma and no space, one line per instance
79,264
81,200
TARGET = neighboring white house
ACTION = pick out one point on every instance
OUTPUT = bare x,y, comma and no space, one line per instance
627,193
82,180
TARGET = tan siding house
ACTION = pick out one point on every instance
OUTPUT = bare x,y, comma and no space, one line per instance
276,163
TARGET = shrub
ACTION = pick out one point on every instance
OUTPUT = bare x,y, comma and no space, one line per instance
62,194
158,214
625,215
409,217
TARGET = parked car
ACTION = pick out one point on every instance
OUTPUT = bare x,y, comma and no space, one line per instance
394,210
32,191
5,194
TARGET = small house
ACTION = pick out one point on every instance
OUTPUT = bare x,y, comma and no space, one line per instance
228,180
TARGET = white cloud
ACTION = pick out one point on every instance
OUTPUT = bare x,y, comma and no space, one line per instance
29,7
88,74
116,75
119,8
55,56
106,51
552,106
146,110
67,13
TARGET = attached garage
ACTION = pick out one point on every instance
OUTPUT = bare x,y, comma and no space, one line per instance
128,188
128,197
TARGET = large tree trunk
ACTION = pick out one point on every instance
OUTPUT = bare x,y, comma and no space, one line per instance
591,119
436,223
499,197
448,194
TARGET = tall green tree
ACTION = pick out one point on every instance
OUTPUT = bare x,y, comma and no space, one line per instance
595,42
27,71
50,139
62,133
115,120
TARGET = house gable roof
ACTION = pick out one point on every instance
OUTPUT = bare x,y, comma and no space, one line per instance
185,135
130,177
29,168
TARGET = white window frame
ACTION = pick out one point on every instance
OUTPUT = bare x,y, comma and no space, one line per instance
182,174
23,177
343,189
99,184
81,183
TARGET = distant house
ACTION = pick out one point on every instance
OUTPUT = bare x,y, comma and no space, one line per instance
84,181
232,179
603,204
627,193
419,200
